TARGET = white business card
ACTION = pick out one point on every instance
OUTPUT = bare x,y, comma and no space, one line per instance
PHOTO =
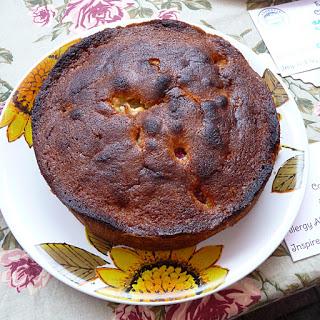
303,238
291,32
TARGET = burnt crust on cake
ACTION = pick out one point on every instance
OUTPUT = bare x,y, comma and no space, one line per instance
156,134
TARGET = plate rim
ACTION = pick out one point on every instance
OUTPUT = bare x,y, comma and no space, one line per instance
39,258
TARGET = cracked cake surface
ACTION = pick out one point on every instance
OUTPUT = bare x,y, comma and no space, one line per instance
155,135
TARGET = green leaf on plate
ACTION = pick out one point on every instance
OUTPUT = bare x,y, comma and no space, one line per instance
77,261
279,94
101,245
289,176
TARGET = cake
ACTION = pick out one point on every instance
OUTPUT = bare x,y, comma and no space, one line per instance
155,135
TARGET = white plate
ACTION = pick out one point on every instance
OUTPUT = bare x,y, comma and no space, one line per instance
57,240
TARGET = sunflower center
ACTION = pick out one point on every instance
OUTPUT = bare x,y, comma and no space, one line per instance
164,277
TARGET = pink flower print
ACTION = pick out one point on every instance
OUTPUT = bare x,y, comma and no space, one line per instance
42,15
220,306
126,312
168,14
87,14
129,5
21,271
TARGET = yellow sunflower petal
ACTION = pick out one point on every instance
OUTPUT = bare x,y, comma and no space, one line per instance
9,114
214,276
64,48
182,255
162,255
146,256
28,132
16,127
113,277
205,257
125,259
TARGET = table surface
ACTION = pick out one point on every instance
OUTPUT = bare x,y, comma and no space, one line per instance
30,29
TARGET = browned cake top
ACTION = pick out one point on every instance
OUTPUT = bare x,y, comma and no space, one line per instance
156,129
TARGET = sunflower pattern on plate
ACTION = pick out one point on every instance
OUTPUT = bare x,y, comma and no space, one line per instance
17,115
140,275
185,270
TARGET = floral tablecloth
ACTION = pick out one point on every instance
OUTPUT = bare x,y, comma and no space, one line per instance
31,28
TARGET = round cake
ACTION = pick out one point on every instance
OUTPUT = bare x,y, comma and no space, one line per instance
155,135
